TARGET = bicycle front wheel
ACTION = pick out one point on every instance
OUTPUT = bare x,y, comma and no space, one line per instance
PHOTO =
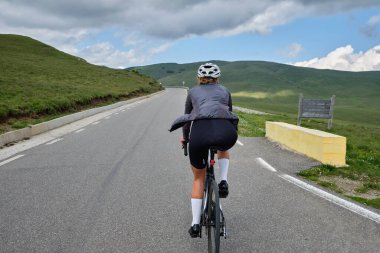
213,218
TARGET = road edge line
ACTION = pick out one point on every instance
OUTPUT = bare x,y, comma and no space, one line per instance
10,160
54,141
266,165
240,143
334,199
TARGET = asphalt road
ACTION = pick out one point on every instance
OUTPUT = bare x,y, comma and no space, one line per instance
122,184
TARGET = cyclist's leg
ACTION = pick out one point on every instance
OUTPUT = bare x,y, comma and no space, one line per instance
223,163
223,154
198,184
227,138
197,194
199,172
198,160
198,153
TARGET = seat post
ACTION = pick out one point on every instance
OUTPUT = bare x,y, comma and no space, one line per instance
210,169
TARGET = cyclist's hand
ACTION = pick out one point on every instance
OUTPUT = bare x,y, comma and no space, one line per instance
184,145
183,141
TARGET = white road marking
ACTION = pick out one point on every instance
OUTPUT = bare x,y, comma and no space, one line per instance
10,159
266,165
240,143
116,113
107,117
80,130
54,141
95,123
332,198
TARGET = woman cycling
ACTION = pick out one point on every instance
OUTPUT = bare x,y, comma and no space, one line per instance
209,107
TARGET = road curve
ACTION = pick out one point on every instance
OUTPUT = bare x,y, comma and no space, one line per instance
121,184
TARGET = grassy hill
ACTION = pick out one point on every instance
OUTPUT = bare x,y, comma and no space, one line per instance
37,79
274,87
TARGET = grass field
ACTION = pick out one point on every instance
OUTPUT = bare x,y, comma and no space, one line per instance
37,81
360,180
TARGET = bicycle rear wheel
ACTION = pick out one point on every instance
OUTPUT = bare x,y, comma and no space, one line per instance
213,218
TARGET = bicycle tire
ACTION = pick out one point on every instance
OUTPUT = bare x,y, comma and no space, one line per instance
213,216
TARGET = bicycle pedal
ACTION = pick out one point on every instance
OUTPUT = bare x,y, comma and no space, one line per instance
222,234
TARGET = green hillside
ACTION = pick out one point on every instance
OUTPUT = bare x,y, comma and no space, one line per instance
37,80
275,87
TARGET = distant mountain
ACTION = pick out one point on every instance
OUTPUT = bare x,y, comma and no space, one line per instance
275,87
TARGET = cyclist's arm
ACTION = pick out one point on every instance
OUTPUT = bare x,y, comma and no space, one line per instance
230,106
229,101
188,109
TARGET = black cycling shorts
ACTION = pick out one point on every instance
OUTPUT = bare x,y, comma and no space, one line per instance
207,133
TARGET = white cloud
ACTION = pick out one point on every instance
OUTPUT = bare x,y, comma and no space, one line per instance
132,40
66,24
344,58
374,20
61,40
263,21
370,30
161,48
168,19
106,54
293,50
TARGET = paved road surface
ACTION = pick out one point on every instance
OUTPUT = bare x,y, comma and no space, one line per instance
122,185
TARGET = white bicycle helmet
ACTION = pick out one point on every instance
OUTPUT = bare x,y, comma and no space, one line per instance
209,70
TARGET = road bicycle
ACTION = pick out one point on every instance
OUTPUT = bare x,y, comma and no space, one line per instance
212,217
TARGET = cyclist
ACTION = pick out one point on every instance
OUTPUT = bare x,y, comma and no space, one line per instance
209,107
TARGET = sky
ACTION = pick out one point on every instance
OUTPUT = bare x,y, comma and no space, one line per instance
341,34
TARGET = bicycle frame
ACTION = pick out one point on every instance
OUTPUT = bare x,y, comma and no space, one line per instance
210,177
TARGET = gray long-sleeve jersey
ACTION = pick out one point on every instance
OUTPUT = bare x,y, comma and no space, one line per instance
188,110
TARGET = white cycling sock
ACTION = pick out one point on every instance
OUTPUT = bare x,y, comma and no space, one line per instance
196,206
223,168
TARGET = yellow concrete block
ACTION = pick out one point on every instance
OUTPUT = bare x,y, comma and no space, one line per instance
325,147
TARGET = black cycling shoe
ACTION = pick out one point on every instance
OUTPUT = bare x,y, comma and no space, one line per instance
194,230
223,189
